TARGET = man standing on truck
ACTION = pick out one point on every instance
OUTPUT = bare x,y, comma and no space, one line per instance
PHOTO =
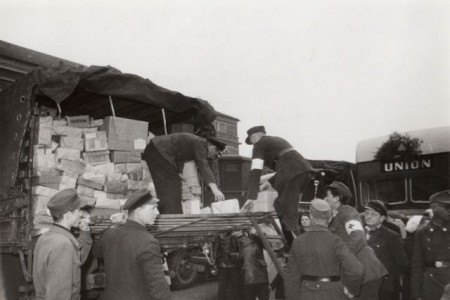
431,252
132,255
346,223
58,255
293,174
165,156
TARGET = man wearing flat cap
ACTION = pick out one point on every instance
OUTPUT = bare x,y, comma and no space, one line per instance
346,223
165,156
320,265
388,247
293,174
132,255
430,270
58,255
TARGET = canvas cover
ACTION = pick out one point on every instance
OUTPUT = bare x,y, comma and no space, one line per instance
86,92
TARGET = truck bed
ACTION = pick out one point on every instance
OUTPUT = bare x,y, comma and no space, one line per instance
177,231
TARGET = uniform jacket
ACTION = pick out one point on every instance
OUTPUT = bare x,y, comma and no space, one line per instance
178,148
347,224
58,256
254,267
287,166
431,244
132,258
389,248
318,252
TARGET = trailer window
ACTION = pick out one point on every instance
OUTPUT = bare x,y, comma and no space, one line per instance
391,191
423,187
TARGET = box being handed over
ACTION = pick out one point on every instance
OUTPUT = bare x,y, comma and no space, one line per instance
225,207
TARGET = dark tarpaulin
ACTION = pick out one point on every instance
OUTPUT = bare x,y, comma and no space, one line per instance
86,92
108,81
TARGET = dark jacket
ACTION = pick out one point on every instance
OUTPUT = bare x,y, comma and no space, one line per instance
389,248
318,252
287,166
178,148
431,245
58,256
254,267
226,248
133,267
347,225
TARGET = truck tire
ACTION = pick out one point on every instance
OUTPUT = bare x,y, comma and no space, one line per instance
182,274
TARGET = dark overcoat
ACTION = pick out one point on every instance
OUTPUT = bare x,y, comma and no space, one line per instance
430,270
318,252
389,248
165,157
133,266
346,223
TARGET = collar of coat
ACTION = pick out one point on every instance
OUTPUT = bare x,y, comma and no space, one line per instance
316,228
133,224
58,229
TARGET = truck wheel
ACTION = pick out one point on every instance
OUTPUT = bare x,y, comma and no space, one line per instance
183,275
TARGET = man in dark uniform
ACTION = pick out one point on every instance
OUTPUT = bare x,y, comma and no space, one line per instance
293,174
165,156
388,247
320,265
431,252
346,223
132,255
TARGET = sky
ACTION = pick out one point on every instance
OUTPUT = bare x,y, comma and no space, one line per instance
323,74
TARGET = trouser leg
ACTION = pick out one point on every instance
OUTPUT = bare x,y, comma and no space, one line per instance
166,179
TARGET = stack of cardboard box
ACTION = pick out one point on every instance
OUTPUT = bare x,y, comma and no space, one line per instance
102,160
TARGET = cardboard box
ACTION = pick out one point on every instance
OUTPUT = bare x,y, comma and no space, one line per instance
116,187
130,146
88,200
95,177
125,129
43,191
125,157
44,164
85,191
96,157
105,169
67,183
264,202
90,183
79,121
95,141
120,168
59,122
50,181
225,207
190,174
67,131
43,132
107,203
42,150
72,142
40,205
67,153
71,166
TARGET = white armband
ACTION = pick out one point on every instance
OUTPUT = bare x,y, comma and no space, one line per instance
257,164
353,225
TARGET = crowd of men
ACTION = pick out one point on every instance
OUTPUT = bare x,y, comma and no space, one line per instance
341,255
